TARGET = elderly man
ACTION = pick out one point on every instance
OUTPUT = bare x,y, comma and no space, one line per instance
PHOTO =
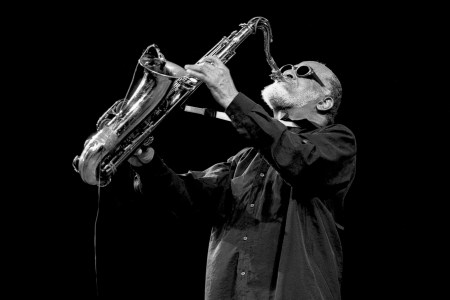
276,208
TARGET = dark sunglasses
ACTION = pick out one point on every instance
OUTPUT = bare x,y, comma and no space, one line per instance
303,72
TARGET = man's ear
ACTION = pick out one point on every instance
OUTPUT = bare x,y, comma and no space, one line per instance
325,104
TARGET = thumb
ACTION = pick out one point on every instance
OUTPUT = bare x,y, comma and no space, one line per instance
145,156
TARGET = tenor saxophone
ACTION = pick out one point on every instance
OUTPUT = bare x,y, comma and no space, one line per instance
160,88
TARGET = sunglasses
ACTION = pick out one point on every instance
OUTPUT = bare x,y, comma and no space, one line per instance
302,72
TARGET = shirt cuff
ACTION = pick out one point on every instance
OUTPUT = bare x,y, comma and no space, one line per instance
239,107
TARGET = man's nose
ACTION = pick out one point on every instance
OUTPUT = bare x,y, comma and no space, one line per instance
289,74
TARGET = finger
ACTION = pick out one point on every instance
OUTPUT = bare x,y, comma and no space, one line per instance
147,156
206,62
196,74
148,141
214,60
200,67
138,152
134,161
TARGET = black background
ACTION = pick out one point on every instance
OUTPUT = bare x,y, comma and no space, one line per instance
76,61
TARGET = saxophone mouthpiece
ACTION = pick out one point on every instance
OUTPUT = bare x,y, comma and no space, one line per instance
277,76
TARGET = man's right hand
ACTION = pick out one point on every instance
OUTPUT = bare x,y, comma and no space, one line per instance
140,157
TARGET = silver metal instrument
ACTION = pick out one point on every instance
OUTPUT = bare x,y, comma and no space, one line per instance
160,87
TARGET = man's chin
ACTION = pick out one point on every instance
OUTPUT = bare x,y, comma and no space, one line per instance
274,93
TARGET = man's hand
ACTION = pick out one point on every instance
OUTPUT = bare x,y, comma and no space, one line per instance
139,158
217,77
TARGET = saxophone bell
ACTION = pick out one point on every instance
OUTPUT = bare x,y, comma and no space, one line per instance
126,125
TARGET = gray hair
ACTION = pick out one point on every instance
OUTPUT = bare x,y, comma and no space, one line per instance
335,89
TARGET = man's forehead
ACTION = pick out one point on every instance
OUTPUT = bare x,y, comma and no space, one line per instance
312,64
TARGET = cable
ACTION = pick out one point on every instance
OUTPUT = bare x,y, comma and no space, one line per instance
95,236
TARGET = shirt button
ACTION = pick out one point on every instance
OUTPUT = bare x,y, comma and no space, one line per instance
245,238
242,273
252,205
262,174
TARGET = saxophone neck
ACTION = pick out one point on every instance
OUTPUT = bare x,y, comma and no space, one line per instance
226,47
264,25
236,38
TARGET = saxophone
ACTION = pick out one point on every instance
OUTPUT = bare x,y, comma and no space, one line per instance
161,86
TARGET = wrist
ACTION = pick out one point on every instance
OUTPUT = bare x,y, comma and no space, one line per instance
227,101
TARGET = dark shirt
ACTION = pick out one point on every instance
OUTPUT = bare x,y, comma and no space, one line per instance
275,208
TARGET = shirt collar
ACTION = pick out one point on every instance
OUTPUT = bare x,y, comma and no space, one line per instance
305,125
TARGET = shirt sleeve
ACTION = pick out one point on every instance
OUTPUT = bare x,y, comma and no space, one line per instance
305,155
184,194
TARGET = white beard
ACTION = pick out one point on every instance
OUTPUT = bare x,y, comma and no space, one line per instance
278,97
282,96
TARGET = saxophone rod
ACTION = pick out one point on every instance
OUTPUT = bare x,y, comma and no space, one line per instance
221,115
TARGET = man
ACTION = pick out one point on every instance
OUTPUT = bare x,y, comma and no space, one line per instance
276,208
